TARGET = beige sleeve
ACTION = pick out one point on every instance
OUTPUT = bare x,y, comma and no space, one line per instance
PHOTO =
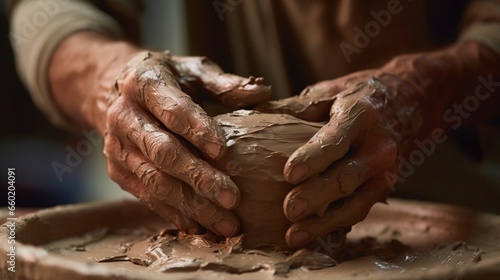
37,27
481,22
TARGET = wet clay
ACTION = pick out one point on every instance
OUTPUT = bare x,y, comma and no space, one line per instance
258,146
174,251
124,240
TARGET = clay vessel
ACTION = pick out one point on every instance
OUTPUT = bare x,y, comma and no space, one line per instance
259,145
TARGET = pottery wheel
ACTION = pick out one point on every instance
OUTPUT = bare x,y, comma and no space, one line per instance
402,240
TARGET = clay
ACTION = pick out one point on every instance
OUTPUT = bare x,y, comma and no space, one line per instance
402,240
173,251
200,73
258,146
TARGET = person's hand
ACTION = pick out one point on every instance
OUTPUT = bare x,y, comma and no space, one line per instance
343,170
154,133
154,129
373,119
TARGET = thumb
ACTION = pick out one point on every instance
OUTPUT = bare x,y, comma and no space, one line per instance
313,103
231,90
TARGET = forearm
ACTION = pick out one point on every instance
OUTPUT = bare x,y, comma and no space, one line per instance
82,69
35,42
450,87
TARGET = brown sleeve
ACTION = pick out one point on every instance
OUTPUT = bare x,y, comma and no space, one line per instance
481,22
37,28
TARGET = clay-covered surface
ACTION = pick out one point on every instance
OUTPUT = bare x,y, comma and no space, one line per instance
402,240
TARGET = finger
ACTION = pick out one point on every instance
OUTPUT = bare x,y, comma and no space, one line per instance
232,90
156,89
313,103
171,156
340,180
329,144
353,210
129,182
174,192
301,107
176,217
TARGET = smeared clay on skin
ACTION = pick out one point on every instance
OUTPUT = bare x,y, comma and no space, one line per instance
149,73
346,123
352,172
153,133
228,88
357,104
258,147
366,130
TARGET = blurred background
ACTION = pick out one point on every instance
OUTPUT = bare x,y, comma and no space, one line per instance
29,143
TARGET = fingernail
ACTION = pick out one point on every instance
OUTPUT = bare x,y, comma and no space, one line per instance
225,228
226,198
213,150
298,172
296,207
299,238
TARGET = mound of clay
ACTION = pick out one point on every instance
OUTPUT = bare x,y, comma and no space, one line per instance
258,147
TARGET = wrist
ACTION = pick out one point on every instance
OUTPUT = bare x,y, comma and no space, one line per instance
82,72
436,81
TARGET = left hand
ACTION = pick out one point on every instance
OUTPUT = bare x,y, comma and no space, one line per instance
342,171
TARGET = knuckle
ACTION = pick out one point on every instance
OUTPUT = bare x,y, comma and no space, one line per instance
200,202
114,149
144,76
174,107
110,144
162,188
156,183
114,172
362,205
161,149
150,177
114,113
207,183
127,82
146,69
201,209
365,108
117,115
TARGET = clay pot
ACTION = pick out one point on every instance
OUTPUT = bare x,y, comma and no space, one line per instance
258,147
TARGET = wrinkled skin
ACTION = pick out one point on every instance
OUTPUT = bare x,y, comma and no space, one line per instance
154,133
149,121
361,139
371,118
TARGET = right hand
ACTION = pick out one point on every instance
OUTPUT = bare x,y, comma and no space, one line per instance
153,131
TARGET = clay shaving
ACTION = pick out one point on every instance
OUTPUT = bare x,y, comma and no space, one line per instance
175,251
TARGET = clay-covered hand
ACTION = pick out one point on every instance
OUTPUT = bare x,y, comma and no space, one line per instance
342,171
155,135
154,130
371,118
